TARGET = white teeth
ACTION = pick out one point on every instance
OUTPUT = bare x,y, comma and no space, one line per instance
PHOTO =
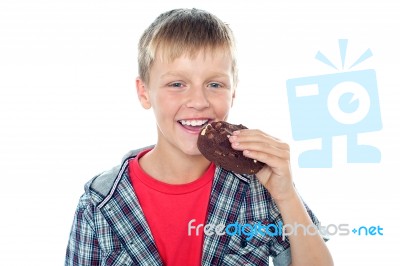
193,123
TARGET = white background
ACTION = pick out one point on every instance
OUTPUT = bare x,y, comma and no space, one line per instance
68,109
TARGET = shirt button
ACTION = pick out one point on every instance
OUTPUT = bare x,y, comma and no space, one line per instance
243,243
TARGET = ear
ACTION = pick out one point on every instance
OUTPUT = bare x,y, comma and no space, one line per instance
143,93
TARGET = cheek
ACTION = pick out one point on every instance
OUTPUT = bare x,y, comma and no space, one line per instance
222,105
165,106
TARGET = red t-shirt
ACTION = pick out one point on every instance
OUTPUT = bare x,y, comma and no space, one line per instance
168,210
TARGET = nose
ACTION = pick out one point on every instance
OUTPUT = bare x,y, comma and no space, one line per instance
197,98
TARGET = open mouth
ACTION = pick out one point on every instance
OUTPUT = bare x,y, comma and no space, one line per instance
194,123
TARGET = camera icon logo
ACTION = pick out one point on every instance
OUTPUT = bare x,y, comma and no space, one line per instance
325,106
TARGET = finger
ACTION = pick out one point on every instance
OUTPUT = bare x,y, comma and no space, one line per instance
277,163
252,132
263,147
257,136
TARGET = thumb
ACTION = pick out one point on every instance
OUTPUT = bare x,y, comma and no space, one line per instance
264,175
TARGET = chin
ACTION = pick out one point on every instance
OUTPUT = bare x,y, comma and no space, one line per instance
194,151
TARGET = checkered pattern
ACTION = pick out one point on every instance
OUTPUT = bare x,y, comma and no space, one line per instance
111,229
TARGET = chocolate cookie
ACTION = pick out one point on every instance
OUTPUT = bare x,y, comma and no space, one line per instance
214,144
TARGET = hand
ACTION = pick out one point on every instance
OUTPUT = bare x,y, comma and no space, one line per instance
276,177
276,174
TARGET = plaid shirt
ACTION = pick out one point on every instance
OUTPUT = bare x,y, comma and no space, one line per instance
109,227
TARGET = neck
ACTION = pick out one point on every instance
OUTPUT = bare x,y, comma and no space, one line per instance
173,167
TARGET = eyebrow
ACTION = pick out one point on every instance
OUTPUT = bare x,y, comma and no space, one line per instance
171,74
213,75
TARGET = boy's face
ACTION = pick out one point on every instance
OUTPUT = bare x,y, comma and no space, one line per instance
186,94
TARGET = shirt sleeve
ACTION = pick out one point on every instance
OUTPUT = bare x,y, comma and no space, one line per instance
283,259
281,247
83,246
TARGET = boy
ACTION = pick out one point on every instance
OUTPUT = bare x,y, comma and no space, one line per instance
168,205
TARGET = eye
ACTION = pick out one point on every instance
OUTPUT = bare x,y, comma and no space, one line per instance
175,85
215,85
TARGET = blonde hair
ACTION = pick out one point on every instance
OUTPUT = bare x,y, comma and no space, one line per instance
184,31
